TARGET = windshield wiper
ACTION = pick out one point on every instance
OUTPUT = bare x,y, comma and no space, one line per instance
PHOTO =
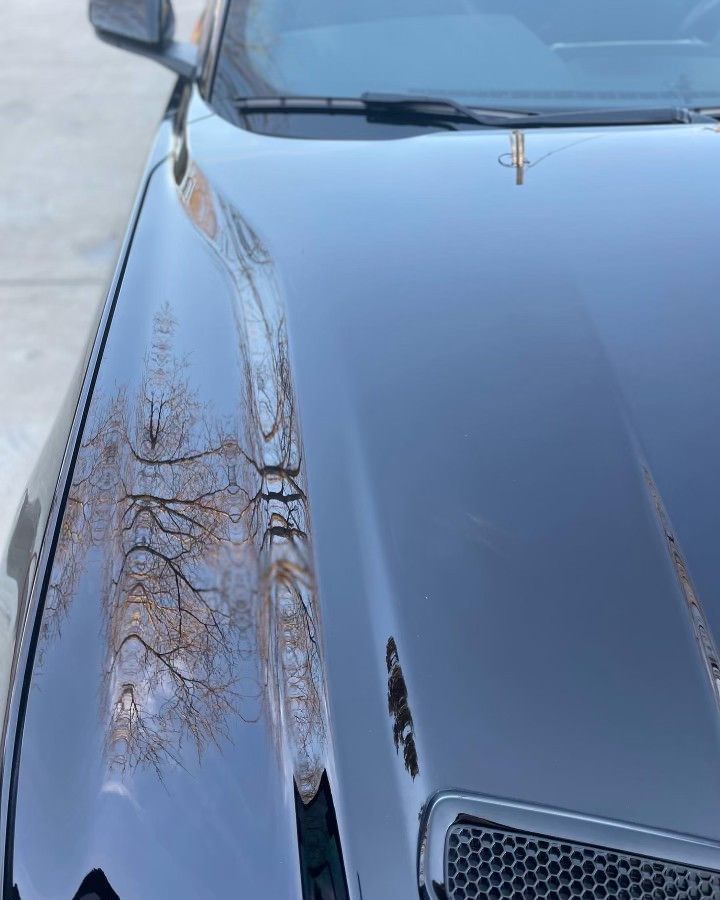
397,107
385,103
669,115
402,107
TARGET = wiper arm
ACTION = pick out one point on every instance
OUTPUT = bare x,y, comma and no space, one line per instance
440,107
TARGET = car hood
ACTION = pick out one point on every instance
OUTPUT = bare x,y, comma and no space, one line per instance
506,392
505,385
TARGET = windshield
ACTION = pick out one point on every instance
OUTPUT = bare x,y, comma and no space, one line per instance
529,54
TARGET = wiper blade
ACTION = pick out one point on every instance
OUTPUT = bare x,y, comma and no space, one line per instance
439,106
516,119
615,116
395,106
401,107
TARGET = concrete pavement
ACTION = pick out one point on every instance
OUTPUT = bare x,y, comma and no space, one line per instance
76,118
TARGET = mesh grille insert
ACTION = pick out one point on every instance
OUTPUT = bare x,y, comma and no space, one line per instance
488,863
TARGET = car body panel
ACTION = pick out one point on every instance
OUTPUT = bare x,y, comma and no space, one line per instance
152,697
491,396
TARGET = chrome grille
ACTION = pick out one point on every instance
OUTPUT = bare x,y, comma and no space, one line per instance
489,863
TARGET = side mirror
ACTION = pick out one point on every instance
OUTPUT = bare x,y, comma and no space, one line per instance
145,27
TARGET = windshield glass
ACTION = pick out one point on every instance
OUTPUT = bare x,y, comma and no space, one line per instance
530,54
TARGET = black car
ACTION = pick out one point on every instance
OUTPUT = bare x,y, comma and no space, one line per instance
376,553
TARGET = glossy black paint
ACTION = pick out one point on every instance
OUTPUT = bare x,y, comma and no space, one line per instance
479,412
460,574
187,513
33,542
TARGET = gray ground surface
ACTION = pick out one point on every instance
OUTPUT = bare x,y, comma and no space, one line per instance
76,122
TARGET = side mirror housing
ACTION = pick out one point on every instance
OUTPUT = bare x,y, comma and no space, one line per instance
145,27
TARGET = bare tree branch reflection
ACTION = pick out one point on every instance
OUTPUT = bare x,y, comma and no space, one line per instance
289,643
200,527
171,636
157,487
701,627
403,726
